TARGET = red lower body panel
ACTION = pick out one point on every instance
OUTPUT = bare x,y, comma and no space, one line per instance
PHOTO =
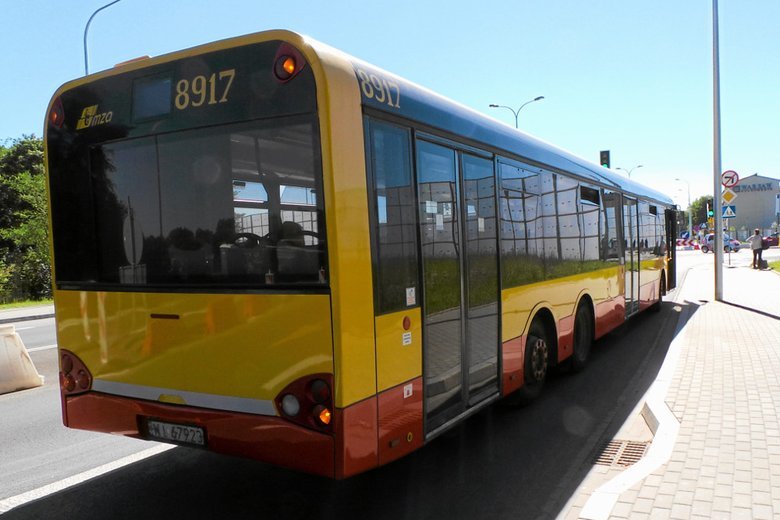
513,356
609,315
373,432
269,439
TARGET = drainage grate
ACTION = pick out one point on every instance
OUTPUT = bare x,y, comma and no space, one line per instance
621,454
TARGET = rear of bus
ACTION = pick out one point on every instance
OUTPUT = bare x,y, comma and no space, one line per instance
193,277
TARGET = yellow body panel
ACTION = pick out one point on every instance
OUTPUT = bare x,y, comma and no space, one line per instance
559,296
350,355
398,352
248,346
346,217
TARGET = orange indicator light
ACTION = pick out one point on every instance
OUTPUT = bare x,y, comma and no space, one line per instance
323,414
289,65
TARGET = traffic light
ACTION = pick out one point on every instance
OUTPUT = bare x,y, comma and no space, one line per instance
710,213
605,158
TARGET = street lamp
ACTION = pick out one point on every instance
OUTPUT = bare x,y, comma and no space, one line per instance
690,216
86,29
628,172
516,112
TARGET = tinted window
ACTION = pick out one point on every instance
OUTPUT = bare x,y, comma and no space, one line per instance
231,205
395,235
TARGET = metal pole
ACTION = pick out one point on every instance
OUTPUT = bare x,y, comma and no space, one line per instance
86,29
716,156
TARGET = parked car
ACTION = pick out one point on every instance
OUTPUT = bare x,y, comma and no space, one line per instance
729,244
772,239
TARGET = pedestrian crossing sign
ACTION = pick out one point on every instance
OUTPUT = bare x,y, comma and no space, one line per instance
729,211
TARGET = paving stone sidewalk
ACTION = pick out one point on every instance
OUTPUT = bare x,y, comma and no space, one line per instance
725,394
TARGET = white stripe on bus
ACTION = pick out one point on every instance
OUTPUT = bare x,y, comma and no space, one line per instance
213,401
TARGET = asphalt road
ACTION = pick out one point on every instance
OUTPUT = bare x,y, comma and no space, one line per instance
503,462
35,448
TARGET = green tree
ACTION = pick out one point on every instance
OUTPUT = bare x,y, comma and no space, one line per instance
24,155
25,271
699,209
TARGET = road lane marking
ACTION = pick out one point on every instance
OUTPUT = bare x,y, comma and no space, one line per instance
47,347
55,487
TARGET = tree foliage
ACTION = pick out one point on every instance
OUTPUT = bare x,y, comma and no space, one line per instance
699,209
25,271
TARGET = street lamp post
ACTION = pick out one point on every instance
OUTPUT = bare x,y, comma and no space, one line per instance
690,216
86,29
628,172
516,113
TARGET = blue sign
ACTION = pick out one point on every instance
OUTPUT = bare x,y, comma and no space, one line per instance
729,211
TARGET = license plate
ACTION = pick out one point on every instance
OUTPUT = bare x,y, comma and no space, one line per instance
177,433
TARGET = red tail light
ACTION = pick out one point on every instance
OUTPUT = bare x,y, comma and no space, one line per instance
57,114
308,401
74,375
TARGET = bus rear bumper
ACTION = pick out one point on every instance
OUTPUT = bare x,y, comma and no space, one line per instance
264,438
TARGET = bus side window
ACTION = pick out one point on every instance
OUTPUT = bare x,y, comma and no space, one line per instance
393,219
521,230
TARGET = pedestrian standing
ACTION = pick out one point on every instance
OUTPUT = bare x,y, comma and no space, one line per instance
756,245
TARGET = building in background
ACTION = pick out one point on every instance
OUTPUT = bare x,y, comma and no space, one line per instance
757,206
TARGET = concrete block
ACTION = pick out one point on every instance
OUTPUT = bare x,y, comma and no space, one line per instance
17,371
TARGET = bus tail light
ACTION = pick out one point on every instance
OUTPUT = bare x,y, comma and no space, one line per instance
287,63
57,114
308,401
74,375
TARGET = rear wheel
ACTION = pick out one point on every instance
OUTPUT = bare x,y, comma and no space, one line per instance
583,337
536,366
705,249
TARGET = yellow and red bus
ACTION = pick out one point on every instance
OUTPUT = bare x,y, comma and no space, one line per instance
267,248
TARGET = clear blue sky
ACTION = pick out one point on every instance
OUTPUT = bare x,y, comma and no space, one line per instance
629,76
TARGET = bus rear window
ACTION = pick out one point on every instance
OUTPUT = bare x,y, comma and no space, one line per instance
237,204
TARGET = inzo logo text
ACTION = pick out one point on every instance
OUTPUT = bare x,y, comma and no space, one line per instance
90,117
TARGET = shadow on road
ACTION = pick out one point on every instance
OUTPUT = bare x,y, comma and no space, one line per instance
502,462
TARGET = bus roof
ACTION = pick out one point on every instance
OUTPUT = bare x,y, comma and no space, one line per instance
417,103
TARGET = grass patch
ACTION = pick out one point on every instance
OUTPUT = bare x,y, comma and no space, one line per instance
27,303
775,265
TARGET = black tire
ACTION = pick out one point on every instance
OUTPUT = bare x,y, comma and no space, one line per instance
583,337
704,249
536,365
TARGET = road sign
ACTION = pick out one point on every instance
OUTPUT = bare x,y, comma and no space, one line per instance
729,211
729,179
727,196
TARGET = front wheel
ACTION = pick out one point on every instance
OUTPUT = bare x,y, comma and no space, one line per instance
705,249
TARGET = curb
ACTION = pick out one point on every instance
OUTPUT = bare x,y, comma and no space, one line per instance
661,421
26,318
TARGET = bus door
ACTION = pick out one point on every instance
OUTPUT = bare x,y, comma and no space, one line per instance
671,248
460,280
631,254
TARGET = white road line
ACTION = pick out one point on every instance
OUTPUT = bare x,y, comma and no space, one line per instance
12,502
47,347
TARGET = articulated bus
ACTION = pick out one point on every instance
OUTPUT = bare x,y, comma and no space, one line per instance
266,248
